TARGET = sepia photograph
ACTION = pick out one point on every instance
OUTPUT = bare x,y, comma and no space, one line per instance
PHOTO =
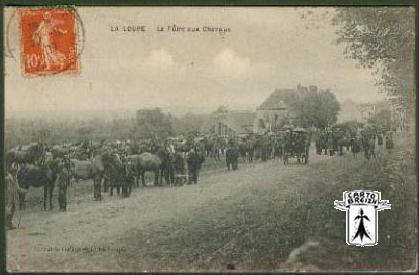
209,139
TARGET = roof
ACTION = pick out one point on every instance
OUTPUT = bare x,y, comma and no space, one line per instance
278,100
274,106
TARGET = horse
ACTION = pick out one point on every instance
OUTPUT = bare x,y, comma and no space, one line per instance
90,169
60,151
251,146
29,154
145,162
39,176
208,144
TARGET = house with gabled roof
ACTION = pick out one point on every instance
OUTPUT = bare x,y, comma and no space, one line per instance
278,110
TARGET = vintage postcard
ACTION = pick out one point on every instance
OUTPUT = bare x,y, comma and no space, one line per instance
210,139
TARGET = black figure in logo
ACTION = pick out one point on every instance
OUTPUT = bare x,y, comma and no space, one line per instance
361,232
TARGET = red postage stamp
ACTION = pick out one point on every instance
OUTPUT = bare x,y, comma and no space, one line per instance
48,41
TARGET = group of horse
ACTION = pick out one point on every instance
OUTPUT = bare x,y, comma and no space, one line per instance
110,167
332,141
281,144
121,166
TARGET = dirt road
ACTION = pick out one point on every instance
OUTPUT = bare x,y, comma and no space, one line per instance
250,219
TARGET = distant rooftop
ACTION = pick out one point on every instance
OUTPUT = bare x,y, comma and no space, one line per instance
268,105
278,99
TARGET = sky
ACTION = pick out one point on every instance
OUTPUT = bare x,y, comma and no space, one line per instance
267,48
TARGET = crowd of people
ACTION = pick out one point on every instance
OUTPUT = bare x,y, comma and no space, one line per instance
333,140
121,164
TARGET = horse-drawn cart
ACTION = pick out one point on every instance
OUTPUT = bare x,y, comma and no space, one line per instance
296,145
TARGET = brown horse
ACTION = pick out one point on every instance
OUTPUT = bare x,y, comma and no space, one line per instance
145,162
39,176
32,154
90,169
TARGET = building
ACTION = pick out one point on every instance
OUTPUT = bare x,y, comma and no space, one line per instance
231,123
369,110
277,110
270,115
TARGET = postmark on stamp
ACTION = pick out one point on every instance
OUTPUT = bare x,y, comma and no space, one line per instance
48,41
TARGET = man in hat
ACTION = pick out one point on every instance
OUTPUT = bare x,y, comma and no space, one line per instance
194,160
12,194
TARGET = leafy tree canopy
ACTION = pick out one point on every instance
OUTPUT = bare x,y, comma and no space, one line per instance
383,39
382,119
311,107
153,123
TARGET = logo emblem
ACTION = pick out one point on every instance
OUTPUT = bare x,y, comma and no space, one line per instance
361,207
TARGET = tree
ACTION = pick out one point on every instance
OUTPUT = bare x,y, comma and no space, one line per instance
190,123
382,119
317,108
383,39
328,110
153,123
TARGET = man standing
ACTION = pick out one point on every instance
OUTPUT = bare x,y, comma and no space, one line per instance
232,155
195,159
12,194
63,182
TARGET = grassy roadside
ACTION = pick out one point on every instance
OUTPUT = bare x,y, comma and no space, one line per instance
272,219
393,174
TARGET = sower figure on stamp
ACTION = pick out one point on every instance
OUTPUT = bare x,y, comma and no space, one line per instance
42,36
12,194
